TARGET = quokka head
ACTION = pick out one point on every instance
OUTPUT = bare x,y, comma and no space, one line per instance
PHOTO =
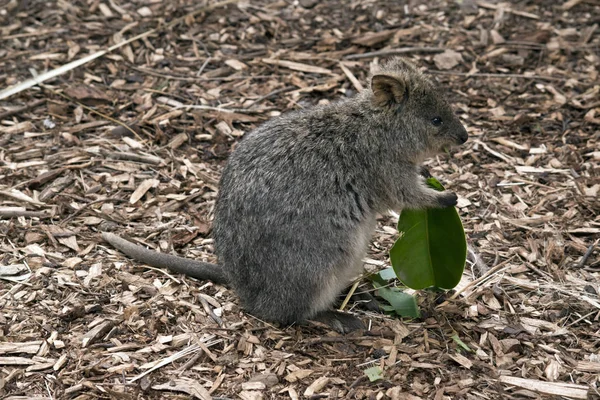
409,102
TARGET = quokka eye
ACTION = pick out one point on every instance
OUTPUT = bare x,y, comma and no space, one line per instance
437,121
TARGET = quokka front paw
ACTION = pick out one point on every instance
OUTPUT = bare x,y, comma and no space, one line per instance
448,199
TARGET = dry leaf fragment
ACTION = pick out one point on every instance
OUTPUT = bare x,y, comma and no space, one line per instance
70,242
448,59
88,95
141,190
372,38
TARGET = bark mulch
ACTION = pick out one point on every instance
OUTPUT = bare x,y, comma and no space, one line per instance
134,142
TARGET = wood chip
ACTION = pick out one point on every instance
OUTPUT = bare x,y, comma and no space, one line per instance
316,386
297,66
462,360
551,388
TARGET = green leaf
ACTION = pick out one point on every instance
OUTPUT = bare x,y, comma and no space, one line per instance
434,183
432,250
401,303
461,343
387,274
382,277
374,373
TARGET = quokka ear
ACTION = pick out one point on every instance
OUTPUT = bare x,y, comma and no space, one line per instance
388,90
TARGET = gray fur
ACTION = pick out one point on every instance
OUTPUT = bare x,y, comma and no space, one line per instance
299,195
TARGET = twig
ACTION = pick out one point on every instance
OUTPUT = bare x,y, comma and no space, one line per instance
491,75
196,79
350,293
168,76
86,206
587,254
358,381
90,109
189,363
37,80
147,159
203,66
174,357
476,281
210,108
357,85
16,195
12,212
34,34
491,6
581,318
334,339
392,52
19,110
209,311
266,96
493,152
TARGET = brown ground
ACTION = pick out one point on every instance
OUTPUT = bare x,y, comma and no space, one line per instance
80,321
